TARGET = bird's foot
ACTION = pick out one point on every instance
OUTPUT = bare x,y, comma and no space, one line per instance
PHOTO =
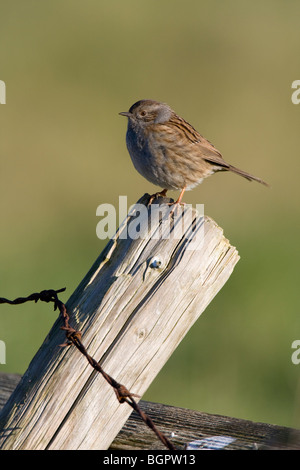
162,193
175,205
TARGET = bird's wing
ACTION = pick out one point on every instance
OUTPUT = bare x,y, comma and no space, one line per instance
195,147
205,149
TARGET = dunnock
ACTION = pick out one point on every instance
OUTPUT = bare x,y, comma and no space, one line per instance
169,152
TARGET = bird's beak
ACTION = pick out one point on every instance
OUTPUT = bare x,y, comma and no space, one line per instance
125,113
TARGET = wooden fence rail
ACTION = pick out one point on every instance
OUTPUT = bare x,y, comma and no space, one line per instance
188,428
133,307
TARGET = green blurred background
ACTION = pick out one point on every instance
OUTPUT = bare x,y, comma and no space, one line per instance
227,67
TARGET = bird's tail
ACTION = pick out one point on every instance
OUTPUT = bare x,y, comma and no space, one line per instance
246,175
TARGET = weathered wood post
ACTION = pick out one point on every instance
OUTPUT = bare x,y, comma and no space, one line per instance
133,308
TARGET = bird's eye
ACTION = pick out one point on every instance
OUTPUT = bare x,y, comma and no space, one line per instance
143,113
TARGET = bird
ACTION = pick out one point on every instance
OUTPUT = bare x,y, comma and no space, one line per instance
167,150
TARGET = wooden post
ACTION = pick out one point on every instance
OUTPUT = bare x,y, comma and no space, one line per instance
133,308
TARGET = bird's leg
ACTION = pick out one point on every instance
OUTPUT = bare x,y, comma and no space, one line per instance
161,193
180,196
178,202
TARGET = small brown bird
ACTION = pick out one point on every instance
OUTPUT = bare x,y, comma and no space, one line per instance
169,152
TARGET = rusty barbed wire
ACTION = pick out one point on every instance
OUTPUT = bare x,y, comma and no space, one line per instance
73,336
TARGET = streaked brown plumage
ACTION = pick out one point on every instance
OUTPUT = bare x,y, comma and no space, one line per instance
169,152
